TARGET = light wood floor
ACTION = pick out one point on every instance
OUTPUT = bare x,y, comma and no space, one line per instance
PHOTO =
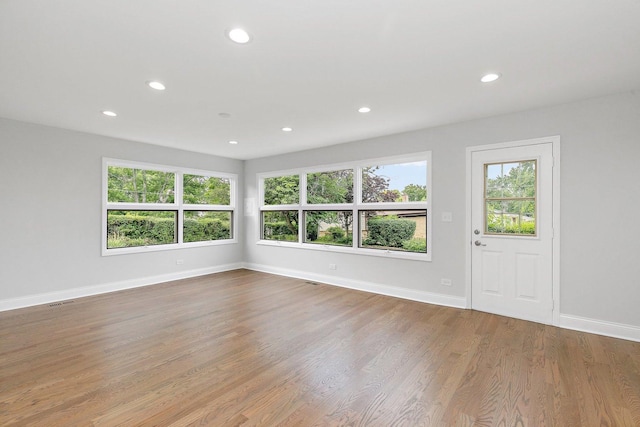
248,348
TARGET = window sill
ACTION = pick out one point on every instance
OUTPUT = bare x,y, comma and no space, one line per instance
348,250
168,247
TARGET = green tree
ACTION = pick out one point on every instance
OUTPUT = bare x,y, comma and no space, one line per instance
199,189
375,187
510,195
332,187
415,192
283,190
131,185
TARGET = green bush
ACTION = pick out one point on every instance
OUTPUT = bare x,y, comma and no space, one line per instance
329,240
139,230
389,232
415,245
336,233
124,231
283,237
276,228
203,229
528,227
346,240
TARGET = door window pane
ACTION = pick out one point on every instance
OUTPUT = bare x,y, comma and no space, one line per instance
510,198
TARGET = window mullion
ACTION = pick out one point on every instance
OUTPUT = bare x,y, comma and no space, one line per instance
179,200
357,184
302,188
302,200
357,201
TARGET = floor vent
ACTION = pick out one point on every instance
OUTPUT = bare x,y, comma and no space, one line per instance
311,283
57,304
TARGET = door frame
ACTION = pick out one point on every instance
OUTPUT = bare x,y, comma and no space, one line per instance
555,186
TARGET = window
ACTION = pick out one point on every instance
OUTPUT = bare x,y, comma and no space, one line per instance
282,190
329,227
330,187
397,230
510,198
153,207
376,207
280,225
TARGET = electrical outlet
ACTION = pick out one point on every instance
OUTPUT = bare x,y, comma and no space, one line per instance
445,282
332,267
179,261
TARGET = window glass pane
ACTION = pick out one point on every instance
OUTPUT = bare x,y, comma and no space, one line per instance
131,185
508,180
330,187
396,230
329,227
510,198
202,226
126,229
403,182
280,225
495,181
282,190
206,190
511,217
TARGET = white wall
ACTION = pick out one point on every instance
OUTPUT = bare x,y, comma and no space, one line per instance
50,220
600,202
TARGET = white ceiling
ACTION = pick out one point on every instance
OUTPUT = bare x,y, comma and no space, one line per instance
310,65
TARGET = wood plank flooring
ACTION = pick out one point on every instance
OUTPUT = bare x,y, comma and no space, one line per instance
248,348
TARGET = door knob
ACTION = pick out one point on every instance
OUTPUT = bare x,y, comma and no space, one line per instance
479,243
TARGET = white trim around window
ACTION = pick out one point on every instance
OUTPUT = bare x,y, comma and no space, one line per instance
175,206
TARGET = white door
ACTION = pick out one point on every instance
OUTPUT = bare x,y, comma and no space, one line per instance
512,231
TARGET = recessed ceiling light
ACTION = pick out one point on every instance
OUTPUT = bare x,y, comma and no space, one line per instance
364,109
491,77
109,113
239,35
287,129
156,85
233,142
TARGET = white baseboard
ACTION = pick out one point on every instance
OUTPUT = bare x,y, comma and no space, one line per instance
600,327
393,291
583,324
67,294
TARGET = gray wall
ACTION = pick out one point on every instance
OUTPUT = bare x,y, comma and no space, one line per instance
51,212
51,188
599,191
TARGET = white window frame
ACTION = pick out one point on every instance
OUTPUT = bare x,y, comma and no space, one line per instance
355,207
177,206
